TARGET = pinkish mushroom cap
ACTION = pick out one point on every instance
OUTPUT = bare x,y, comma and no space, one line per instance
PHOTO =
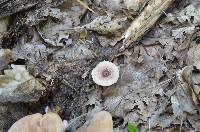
105,73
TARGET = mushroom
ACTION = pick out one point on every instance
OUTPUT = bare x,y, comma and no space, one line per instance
101,122
105,73
49,122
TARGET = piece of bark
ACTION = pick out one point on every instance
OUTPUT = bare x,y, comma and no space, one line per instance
145,21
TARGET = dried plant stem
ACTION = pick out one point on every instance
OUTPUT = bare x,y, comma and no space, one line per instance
145,21
85,5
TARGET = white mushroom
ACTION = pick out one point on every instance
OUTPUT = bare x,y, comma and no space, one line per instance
105,73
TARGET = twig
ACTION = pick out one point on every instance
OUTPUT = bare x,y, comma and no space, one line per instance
85,5
145,21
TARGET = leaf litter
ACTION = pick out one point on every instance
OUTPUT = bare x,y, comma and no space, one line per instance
53,48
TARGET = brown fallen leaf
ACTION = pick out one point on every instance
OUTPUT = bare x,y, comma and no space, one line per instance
193,56
191,75
187,77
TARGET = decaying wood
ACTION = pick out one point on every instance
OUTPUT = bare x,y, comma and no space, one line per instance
145,21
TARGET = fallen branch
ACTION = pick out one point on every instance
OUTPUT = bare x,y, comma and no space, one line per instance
145,21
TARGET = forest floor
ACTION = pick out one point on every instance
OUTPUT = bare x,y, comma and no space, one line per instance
49,48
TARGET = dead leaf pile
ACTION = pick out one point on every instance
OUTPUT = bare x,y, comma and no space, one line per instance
48,52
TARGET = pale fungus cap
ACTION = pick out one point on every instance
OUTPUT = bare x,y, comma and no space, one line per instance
105,73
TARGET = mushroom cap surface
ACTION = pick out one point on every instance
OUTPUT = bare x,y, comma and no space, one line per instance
105,73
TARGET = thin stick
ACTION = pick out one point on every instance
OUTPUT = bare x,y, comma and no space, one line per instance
145,21
85,5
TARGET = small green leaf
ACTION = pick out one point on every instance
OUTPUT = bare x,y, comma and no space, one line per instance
132,127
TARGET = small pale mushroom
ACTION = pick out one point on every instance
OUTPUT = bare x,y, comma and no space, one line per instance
49,122
105,73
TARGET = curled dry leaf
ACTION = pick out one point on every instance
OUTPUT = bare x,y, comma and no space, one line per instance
33,52
65,17
104,24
